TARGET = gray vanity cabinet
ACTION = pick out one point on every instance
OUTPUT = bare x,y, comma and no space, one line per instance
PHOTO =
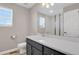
34,48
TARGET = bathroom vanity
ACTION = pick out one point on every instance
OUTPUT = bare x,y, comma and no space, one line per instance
38,45
35,48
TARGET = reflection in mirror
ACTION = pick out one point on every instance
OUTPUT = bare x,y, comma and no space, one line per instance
51,25
44,24
61,23
41,24
71,23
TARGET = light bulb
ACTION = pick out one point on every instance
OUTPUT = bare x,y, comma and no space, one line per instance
47,6
43,4
51,4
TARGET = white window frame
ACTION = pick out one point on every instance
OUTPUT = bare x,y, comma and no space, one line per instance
39,22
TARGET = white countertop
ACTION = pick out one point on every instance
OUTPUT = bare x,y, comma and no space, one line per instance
59,44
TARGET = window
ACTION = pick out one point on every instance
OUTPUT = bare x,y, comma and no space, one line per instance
42,22
5,17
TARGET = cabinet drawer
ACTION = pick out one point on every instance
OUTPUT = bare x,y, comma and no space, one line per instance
35,44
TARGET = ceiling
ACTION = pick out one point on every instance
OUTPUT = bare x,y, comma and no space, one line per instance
26,5
58,7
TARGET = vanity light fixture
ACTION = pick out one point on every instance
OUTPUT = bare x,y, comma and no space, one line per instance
51,4
43,4
47,5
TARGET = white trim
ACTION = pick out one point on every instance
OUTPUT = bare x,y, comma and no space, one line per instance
9,51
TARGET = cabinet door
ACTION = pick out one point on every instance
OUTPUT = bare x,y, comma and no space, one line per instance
35,44
49,51
28,50
36,51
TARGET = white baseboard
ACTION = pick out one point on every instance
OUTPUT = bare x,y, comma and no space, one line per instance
9,51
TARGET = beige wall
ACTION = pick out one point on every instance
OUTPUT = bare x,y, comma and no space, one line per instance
20,27
33,22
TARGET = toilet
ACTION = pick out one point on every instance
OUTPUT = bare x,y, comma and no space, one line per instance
22,47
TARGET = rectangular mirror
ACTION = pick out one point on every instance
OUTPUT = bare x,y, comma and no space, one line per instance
63,22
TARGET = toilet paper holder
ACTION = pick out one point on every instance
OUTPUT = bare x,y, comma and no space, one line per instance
13,36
